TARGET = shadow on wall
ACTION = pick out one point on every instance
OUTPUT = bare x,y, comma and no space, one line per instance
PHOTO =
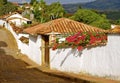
71,52
33,38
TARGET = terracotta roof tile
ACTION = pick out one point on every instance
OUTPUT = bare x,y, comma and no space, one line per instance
116,29
16,29
7,15
62,25
12,18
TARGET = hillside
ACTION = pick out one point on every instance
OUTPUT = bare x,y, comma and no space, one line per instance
109,7
71,8
103,5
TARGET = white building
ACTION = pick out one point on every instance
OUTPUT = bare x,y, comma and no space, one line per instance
102,61
17,19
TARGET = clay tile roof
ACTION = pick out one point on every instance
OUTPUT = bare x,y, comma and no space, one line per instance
7,15
12,18
62,25
32,30
116,29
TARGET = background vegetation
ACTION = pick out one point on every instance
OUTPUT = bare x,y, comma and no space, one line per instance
43,12
6,7
92,18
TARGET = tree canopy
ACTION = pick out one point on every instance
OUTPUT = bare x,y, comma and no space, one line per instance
6,7
117,22
55,10
92,18
3,2
39,11
43,12
32,2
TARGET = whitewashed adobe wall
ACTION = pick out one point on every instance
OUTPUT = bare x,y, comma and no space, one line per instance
32,50
34,47
24,48
101,61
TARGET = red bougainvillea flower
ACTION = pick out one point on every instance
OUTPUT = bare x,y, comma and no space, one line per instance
92,39
81,40
82,37
104,37
98,40
73,37
55,46
79,48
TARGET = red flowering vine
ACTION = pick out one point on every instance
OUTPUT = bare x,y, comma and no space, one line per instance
82,40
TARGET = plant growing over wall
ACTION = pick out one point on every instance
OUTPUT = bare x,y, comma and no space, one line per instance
24,40
81,40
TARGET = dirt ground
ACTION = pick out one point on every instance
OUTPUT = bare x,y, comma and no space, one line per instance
15,71
6,37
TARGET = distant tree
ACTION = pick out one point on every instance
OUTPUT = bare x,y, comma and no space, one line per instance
43,12
32,2
92,18
3,2
117,22
55,10
39,9
80,7
9,7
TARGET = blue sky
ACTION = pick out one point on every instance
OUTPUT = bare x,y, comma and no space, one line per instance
62,1
68,1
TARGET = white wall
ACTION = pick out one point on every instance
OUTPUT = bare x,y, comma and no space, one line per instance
101,61
24,48
32,50
34,47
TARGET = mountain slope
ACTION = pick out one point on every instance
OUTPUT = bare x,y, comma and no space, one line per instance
103,5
